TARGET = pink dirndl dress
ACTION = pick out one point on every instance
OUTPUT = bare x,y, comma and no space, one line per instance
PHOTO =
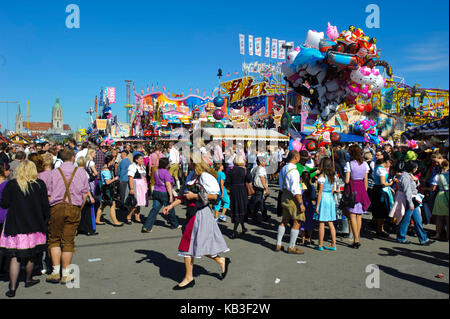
140,189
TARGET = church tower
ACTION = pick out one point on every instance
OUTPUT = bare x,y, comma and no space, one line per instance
19,122
57,117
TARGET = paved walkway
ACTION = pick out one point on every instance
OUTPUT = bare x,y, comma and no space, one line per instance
136,265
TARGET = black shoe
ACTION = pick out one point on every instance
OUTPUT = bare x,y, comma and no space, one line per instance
189,285
428,242
145,230
355,245
128,222
10,293
120,225
234,235
227,262
91,234
244,231
31,283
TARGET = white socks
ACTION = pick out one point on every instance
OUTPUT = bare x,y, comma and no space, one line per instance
65,272
294,235
281,230
56,270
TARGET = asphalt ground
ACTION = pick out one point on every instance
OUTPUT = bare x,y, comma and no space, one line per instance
134,265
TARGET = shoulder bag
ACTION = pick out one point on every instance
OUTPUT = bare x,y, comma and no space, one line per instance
348,198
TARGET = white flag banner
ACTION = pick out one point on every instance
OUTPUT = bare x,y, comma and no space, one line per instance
281,51
250,45
267,52
242,43
274,49
258,48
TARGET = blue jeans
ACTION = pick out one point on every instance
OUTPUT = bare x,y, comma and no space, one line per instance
160,199
417,218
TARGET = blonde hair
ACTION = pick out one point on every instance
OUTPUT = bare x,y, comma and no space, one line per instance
81,161
436,156
48,161
90,154
368,156
239,160
25,173
203,167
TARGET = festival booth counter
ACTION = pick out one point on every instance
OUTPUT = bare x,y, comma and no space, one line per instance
245,134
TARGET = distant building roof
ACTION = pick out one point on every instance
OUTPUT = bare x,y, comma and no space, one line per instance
43,126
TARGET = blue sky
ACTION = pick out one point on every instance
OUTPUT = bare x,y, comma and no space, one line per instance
181,44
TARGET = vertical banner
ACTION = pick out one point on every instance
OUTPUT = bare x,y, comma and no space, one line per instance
267,52
274,49
242,43
111,94
258,48
250,45
281,51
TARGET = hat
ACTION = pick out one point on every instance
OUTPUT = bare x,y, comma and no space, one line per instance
410,156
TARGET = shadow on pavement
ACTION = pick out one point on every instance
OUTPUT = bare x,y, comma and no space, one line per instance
438,286
169,268
436,258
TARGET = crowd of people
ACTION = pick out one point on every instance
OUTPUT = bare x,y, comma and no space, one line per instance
50,193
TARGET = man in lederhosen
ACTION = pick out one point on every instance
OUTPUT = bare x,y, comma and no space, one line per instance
68,188
291,202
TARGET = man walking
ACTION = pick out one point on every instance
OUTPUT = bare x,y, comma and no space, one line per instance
174,161
122,172
68,188
99,158
259,179
291,202
20,157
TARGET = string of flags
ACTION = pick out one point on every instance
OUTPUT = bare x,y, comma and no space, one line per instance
273,49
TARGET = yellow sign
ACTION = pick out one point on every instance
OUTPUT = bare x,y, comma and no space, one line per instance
101,124
244,88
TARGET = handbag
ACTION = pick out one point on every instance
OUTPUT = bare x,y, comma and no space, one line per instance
348,199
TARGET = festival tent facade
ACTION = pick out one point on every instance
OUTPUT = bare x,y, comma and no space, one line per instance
244,134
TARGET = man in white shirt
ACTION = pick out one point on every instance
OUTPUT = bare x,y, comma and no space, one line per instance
174,161
259,180
82,153
291,201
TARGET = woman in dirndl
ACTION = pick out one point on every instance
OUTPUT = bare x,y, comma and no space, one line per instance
382,194
202,236
23,236
356,180
138,187
440,210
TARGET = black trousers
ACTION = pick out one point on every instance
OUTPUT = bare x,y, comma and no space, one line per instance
257,203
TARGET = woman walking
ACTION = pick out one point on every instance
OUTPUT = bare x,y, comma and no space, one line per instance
138,187
440,208
23,236
382,194
326,207
408,186
109,193
239,179
162,196
356,183
202,236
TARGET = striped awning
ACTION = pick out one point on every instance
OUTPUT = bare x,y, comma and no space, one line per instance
245,134
436,128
